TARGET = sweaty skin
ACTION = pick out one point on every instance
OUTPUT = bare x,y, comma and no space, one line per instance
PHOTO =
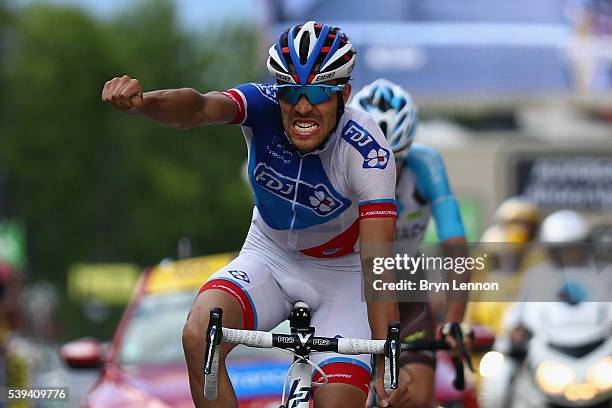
308,125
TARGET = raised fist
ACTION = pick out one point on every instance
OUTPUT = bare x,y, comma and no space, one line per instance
124,93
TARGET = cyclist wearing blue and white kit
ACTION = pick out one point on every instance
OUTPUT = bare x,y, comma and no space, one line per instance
422,191
323,184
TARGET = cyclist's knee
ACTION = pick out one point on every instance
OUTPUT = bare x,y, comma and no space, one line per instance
197,320
421,385
192,335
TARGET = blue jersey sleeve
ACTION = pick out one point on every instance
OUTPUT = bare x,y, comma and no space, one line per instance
432,184
257,103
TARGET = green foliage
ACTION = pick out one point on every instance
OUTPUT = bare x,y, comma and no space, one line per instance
94,184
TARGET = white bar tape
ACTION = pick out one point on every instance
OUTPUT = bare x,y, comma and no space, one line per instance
249,338
360,346
210,380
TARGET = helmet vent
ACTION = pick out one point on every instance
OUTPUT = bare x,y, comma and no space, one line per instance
383,127
304,46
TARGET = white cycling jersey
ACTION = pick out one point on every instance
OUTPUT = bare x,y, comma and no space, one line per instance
312,202
422,190
303,240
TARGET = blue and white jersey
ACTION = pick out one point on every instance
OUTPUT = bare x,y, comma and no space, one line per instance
422,190
312,202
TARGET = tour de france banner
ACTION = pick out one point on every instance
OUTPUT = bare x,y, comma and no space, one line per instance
488,272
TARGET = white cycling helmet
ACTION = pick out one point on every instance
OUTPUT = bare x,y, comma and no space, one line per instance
311,53
393,110
565,226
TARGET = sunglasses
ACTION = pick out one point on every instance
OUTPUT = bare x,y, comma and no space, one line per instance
314,93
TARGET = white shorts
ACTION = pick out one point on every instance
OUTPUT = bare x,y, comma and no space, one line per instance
267,280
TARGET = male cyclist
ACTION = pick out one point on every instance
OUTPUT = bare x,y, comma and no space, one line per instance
422,190
323,185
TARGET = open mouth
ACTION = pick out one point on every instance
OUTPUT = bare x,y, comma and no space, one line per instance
305,127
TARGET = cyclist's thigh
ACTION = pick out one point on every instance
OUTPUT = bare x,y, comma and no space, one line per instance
339,395
342,313
249,282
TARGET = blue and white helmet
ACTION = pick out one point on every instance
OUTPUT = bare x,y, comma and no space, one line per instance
393,110
311,53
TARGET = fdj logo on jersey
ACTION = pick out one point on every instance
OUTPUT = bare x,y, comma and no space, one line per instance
374,156
317,198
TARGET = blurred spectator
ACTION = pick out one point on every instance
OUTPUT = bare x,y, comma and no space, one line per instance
13,370
519,211
505,246
592,21
41,310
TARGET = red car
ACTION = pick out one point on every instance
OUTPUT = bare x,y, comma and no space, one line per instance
144,366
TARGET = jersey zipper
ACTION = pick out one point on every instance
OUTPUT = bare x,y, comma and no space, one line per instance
292,235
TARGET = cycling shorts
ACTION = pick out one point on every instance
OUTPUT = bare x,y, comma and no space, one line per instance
267,279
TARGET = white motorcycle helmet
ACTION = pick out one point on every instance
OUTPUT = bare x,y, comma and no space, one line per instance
564,227
565,235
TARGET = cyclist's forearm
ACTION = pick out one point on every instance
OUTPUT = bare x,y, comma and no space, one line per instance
457,304
455,311
380,313
382,305
178,108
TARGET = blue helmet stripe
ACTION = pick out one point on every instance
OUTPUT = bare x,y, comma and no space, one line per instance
303,71
281,56
334,47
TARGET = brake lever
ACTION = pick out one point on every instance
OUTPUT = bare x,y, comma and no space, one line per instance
459,381
393,351
214,336
457,333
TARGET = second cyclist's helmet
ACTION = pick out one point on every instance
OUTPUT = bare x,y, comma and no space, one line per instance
311,53
393,110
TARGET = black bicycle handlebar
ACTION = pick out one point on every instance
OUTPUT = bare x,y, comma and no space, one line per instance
391,348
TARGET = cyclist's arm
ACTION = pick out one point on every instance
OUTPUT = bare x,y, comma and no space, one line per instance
187,108
183,108
455,309
372,233
371,175
433,185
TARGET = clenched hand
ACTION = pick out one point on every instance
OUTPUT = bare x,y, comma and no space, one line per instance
124,93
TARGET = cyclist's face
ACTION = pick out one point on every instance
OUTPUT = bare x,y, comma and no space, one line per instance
308,125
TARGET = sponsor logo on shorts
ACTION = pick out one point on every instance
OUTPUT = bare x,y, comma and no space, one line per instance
240,275
340,375
418,335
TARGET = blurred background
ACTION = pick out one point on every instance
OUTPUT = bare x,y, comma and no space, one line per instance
516,96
